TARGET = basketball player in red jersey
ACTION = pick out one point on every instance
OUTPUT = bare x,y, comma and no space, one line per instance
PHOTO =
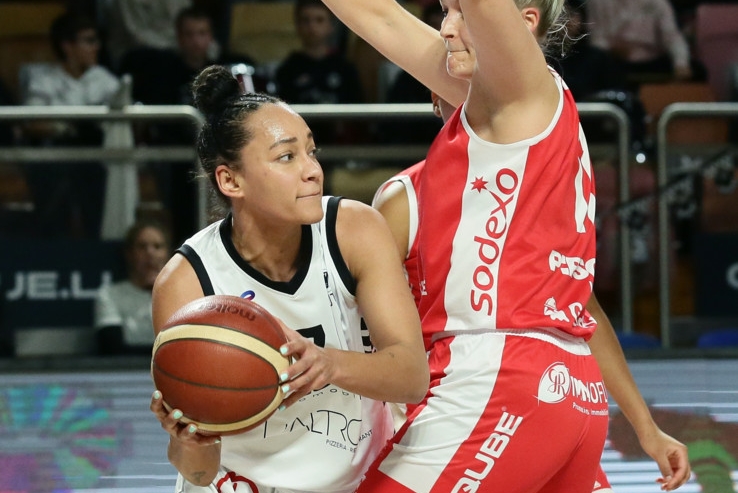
506,249
397,200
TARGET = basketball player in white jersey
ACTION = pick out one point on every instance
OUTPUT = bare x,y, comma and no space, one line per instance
317,263
506,248
397,201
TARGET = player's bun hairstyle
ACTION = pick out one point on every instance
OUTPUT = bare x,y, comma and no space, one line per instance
218,96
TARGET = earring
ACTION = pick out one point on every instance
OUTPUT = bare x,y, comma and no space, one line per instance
437,109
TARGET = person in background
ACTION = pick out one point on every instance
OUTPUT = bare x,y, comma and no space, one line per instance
318,263
122,310
645,36
163,77
133,24
594,74
68,197
406,89
318,73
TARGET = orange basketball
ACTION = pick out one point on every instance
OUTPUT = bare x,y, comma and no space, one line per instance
217,360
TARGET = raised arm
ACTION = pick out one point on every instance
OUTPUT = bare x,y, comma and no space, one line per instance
509,58
404,39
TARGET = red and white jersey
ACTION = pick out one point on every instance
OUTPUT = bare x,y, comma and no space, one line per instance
410,179
506,234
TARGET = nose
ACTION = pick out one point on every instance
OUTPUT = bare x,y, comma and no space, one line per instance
448,26
312,170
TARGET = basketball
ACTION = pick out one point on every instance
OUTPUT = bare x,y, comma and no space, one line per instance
217,360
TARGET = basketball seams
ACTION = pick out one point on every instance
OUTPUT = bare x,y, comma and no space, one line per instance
162,371
231,337
239,426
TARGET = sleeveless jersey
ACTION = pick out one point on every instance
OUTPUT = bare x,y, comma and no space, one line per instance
506,238
327,440
410,179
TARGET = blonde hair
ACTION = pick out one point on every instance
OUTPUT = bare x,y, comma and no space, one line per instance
551,29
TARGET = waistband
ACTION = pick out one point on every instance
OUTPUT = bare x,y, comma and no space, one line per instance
573,344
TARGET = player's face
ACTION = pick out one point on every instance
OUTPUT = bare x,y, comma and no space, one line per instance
147,256
282,176
461,58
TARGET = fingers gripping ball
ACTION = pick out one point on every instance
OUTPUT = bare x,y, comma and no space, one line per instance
217,360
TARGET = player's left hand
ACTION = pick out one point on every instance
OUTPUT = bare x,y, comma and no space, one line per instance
312,367
671,456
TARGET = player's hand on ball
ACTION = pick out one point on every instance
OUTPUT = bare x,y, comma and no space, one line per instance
312,367
170,422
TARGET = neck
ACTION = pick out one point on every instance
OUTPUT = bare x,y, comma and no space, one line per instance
318,51
195,62
74,69
275,254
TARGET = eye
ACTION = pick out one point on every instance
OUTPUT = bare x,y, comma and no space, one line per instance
286,157
314,153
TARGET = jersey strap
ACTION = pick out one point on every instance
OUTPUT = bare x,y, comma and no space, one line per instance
202,275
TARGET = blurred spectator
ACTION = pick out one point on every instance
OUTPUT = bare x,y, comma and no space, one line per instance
597,75
406,89
122,313
141,23
164,77
643,34
318,72
68,197
586,68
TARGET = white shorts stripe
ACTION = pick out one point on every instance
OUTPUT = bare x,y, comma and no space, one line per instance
439,426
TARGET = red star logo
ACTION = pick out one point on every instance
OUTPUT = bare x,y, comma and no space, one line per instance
479,184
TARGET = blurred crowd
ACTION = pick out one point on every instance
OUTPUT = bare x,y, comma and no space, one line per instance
615,47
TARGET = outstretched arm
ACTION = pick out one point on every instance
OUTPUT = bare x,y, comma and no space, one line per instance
404,39
669,453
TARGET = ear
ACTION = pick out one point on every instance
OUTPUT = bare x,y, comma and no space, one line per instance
436,99
532,17
228,181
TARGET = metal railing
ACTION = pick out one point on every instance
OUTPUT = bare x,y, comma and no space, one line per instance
411,153
672,112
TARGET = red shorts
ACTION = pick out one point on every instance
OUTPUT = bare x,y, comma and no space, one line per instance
512,411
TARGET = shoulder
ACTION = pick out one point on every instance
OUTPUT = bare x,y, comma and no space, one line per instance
355,221
390,191
101,73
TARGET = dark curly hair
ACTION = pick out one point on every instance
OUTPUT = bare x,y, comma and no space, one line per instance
218,96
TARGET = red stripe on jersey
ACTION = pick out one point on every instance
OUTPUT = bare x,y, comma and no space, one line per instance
444,175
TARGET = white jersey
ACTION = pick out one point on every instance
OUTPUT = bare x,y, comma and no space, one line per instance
326,441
